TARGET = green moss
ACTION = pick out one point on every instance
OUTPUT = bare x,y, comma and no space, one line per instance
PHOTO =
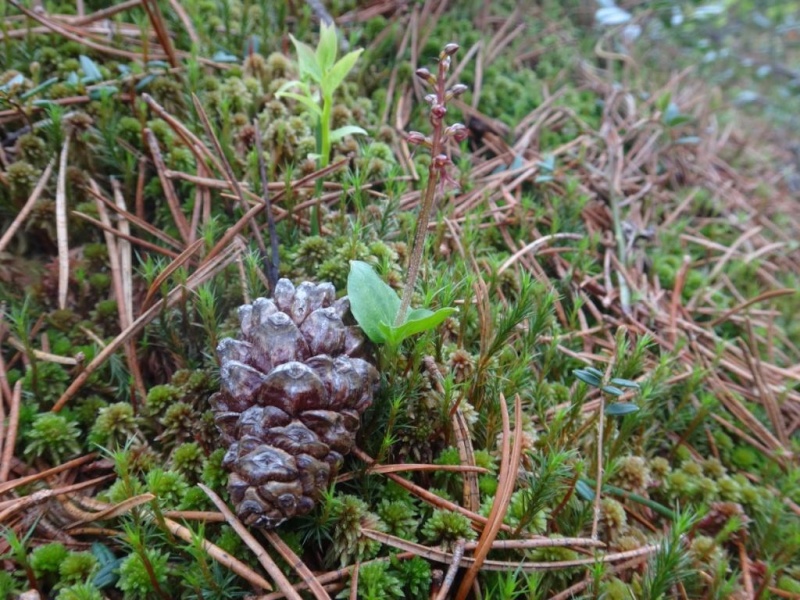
80,591
22,178
134,579
445,527
400,518
47,559
52,436
376,582
188,460
77,567
168,486
114,426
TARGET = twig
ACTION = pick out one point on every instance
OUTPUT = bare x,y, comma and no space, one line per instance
206,271
219,555
187,22
157,21
452,570
28,207
228,171
166,184
273,266
263,557
61,226
11,434
509,466
298,565
442,556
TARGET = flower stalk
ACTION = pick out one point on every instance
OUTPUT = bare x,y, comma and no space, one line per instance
440,161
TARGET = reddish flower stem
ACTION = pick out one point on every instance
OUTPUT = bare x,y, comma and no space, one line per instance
435,173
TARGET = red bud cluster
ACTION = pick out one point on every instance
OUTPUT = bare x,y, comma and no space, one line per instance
438,102
440,161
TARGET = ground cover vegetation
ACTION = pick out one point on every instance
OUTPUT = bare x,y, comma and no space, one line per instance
569,241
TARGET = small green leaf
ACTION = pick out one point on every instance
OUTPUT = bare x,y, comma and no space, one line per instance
372,301
39,88
663,102
307,60
17,79
587,377
584,490
625,383
90,70
104,91
422,319
614,391
619,409
389,333
326,49
339,133
144,82
593,371
224,57
335,77
107,574
305,101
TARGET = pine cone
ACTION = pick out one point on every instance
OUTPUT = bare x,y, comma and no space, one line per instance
293,390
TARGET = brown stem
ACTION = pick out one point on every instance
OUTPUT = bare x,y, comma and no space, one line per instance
415,260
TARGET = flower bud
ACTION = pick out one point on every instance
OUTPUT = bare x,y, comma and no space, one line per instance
418,139
441,161
457,131
430,98
451,49
456,91
425,75
438,111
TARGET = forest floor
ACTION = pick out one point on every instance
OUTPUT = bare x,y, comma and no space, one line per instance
596,393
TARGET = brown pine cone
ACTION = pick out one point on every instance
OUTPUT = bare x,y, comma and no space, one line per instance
293,391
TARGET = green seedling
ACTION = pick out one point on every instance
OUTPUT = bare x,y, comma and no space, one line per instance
375,306
320,68
594,378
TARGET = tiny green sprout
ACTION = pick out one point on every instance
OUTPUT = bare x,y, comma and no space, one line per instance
321,68
594,378
375,305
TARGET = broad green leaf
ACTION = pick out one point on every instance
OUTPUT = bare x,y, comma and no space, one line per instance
339,133
335,77
90,70
422,319
326,49
372,301
390,334
587,377
307,60
619,409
